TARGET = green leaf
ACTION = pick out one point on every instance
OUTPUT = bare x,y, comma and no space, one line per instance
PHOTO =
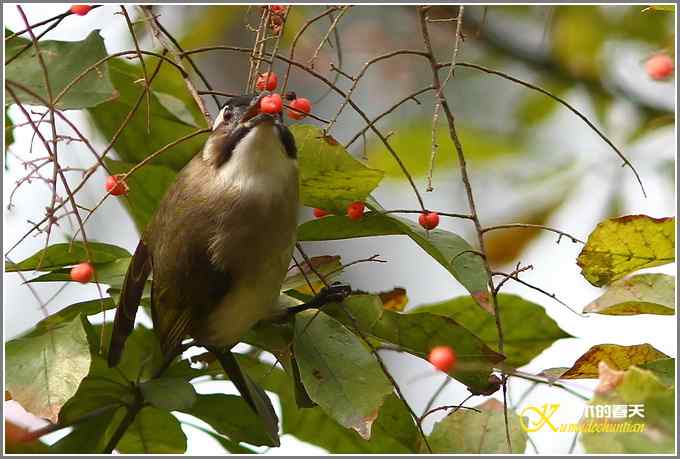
528,330
338,372
177,108
228,445
638,387
231,415
44,368
153,431
135,142
9,131
448,249
619,246
468,432
325,265
147,186
638,294
393,430
64,61
168,393
418,334
141,356
103,389
89,437
68,313
112,273
615,356
61,255
330,178
664,369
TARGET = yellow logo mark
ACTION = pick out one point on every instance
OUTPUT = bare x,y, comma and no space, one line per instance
544,414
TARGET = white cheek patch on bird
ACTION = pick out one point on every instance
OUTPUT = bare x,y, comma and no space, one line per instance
219,120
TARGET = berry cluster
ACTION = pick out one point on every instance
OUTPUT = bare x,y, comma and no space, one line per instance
277,14
273,103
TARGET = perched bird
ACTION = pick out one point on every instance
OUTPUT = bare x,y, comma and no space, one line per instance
220,243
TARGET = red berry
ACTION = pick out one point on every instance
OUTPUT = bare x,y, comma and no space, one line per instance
82,273
660,67
318,213
271,104
301,105
278,9
116,186
429,220
267,80
80,10
355,211
276,23
443,358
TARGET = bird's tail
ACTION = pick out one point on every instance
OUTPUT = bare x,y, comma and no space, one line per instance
130,296
253,394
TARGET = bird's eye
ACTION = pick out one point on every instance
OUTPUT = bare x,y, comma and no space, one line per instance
224,116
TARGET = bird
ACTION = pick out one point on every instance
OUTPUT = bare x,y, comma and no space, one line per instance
219,244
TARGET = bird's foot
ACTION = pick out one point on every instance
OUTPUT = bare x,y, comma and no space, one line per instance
334,293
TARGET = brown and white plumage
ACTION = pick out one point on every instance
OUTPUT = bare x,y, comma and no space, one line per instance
221,239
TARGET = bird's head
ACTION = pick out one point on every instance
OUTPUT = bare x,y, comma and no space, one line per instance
240,118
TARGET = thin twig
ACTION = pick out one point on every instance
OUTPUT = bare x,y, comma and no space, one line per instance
332,27
573,239
515,273
626,161
297,37
339,91
131,29
161,34
191,62
453,134
437,106
538,289
112,142
144,162
448,407
411,96
412,211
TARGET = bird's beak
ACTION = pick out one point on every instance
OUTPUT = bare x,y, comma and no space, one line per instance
252,110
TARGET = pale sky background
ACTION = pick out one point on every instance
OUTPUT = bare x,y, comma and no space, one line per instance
555,269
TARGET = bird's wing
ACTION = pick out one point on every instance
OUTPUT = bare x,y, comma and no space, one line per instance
184,290
130,296
186,284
